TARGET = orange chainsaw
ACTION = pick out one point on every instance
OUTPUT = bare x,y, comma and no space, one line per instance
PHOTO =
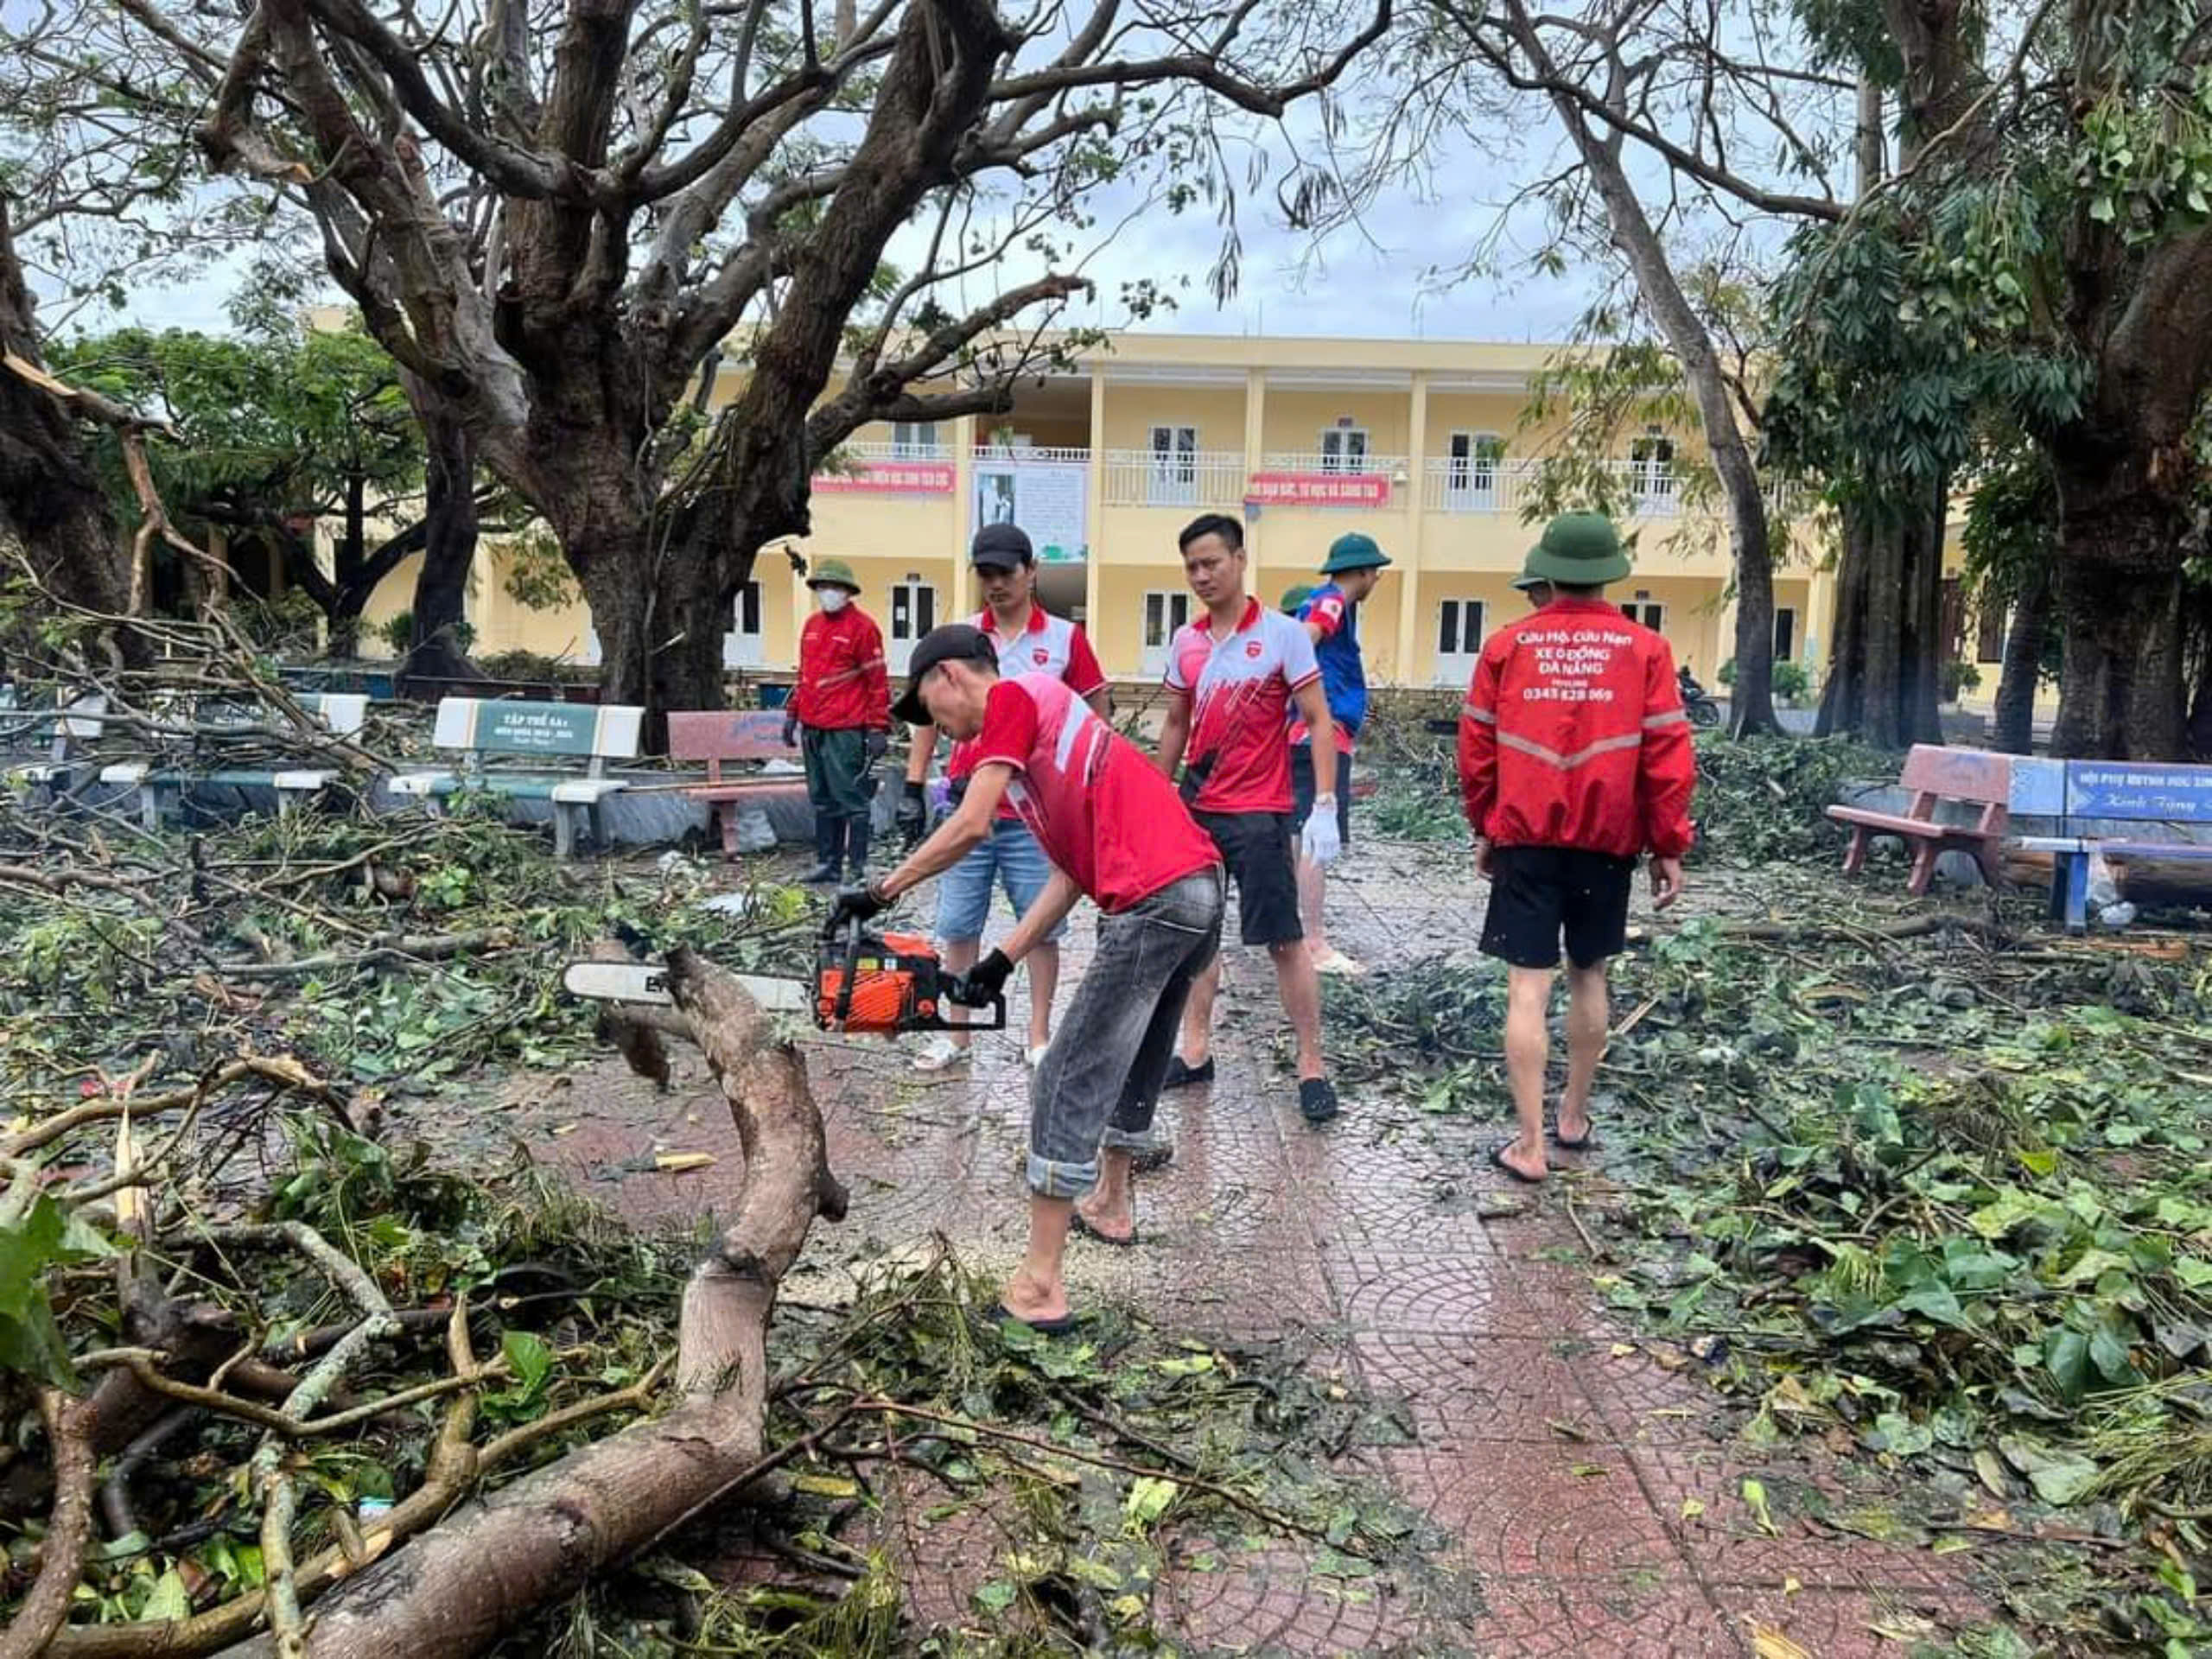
865,985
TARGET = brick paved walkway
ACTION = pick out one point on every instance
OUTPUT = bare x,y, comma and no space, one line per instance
1590,1493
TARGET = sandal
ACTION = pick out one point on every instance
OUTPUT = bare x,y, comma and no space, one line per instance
1497,1157
1080,1223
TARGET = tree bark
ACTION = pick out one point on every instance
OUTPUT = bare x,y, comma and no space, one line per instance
2023,671
448,550
1884,674
51,505
455,1589
2120,599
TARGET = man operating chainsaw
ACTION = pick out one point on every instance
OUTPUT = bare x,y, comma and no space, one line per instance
1116,833
1029,640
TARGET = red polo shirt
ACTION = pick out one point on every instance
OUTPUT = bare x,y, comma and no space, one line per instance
1046,645
1239,688
1103,812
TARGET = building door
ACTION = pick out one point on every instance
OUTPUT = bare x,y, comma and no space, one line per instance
1174,478
1785,635
1343,449
741,644
1166,611
913,613
1459,640
1651,473
1471,476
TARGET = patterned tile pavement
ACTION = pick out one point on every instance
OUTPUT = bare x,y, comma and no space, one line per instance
1586,1492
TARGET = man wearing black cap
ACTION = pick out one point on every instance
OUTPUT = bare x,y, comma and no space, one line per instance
1116,832
1029,640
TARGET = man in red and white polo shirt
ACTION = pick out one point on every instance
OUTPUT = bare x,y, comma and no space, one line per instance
1233,676
1028,640
1114,832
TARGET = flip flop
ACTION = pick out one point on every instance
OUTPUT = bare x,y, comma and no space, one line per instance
1497,1157
1081,1223
1001,1316
1581,1143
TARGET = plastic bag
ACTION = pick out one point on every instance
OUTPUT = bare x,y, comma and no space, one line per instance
2104,886
755,833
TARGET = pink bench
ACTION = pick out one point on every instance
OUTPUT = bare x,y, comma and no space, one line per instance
721,737
1934,774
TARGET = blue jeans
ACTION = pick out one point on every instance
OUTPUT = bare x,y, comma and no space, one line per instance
1009,853
1101,1080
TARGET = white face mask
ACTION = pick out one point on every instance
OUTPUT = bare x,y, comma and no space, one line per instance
833,600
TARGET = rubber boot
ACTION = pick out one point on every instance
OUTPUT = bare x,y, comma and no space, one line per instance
857,829
829,841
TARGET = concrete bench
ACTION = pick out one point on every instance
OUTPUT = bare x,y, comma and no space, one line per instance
1934,775
58,737
717,738
210,727
2079,793
515,732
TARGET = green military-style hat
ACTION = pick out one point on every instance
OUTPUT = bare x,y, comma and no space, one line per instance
1294,597
1525,580
1353,551
1578,550
833,573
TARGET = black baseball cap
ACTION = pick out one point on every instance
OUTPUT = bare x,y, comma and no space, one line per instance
1002,547
955,642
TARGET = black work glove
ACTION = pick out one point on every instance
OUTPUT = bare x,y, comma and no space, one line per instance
879,745
790,731
912,815
854,905
982,985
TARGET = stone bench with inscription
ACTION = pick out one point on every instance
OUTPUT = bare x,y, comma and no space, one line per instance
2112,809
531,750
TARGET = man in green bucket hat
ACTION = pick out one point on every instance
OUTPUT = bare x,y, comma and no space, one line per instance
1574,760
1330,613
842,701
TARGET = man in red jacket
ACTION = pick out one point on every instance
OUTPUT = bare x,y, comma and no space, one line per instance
843,702
1574,760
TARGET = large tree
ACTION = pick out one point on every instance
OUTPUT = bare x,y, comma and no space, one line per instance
552,223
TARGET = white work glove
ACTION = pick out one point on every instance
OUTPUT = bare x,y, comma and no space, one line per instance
1320,842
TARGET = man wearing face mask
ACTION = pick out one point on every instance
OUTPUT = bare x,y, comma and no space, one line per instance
1028,640
843,703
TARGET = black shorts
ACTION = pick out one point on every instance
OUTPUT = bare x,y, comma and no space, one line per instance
1538,894
1257,848
1301,791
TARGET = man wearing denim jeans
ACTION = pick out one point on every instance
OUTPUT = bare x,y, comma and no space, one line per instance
1116,833
1029,640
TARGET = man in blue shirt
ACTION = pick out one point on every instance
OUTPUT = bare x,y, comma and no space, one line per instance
1330,613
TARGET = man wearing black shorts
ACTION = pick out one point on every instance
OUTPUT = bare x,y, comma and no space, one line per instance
1233,676
1574,760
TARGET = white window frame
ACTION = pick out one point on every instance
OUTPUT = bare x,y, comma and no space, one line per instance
1652,613
1455,667
1162,612
913,440
1345,449
1172,480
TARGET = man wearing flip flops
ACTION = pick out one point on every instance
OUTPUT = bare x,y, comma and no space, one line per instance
1116,833
1574,760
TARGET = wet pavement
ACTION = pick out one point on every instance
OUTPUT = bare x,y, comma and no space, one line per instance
1588,1483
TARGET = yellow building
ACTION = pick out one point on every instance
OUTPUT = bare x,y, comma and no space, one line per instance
1418,444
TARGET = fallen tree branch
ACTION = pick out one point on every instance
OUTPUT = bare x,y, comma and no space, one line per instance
69,1528
457,1589
387,948
274,1068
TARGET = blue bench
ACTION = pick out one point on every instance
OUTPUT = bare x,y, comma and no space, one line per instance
209,726
519,733
2107,792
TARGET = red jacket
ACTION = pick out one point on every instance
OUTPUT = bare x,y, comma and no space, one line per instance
1573,735
843,682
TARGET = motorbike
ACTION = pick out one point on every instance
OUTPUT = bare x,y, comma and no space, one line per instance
1696,702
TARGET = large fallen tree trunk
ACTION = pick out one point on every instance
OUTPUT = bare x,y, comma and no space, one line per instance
459,1586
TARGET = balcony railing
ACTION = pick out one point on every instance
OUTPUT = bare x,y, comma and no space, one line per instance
1453,485
1033,455
895,451
1204,478
1389,467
